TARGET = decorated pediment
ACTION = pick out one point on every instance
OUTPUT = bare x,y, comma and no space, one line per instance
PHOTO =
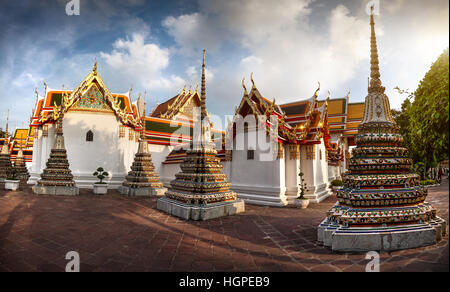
92,100
92,94
188,108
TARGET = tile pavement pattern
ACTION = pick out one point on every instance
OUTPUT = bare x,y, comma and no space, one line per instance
114,233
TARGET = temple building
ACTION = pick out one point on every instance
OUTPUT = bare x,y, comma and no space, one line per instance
382,204
312,136
104,129
262,151
101,130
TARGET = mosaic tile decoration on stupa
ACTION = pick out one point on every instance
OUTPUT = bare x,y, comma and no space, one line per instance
201,191
380,196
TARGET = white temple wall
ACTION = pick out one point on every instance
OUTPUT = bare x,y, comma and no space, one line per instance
167,173
226,168
159,154
260,180
106,150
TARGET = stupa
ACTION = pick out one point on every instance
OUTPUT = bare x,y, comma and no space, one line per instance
201,191
5,156
382,205
20,166
57,178
142,180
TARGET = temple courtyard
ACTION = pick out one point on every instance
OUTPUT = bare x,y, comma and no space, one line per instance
116,233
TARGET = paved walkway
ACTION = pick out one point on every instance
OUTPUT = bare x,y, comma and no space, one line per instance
113,233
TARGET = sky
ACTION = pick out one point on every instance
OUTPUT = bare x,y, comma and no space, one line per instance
156,47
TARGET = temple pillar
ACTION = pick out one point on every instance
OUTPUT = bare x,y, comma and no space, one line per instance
312,167
292,161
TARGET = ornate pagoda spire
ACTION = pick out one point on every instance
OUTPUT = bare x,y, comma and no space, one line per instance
143,146
5,156
5,149
375,82
201,191
382,203
19,165
377,107
203,90
57,178
142,180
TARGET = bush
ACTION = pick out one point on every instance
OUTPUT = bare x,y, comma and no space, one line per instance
336,183
101,174
11,174
427,182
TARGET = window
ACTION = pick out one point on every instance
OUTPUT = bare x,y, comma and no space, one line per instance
250,154
89,136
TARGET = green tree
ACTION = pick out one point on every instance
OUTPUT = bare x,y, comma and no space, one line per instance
429,114
402,119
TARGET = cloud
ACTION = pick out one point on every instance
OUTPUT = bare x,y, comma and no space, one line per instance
284,51
192,32
195,76
135,60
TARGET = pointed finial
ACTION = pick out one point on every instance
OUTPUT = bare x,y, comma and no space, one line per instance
95,66
253,82
145,106
375,82
317,90
196,87
348,94
7,122
243,85
329,95
45,85
203,90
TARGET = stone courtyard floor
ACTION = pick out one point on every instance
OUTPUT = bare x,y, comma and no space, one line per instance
113,233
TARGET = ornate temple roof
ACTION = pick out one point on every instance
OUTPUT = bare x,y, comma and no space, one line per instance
120,104
344,117
178,107
302,122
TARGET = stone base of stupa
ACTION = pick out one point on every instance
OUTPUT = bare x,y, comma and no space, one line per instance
142,192
200,213
390,238
55,190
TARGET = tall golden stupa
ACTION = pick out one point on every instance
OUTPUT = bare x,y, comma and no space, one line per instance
382,204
